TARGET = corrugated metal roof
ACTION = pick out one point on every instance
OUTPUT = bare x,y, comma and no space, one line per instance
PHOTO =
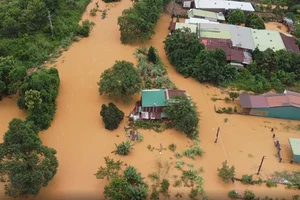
193,27
295,145
152,98
264,39
226,5
245,100
288,20
198,20
277,101
289,43
241,37
187,4
218,31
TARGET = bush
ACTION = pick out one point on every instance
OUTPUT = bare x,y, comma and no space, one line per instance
271,184
152,55
236,17
226,173
172,147
164,186
227,99
132,177
85,29
123,148
233,194
247,179
111,116
249,195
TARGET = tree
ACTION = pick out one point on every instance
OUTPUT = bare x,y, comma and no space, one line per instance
111,116
254,21
236,17
132,177
152,55
111,170
117,189
121,81
25,165
45,84
182,47
183,115
33,99
249,195
226,173
123,148
233,95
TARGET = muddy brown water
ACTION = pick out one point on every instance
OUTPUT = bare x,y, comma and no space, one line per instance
81,141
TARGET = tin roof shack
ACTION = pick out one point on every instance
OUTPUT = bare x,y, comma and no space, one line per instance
289,43
289,24
223,6
295,146
283,106
264,39
152,104
203,14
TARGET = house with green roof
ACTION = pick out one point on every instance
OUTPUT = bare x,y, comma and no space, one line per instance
203,14
152,104
295,146
264,39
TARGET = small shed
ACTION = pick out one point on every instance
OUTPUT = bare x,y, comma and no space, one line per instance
295,146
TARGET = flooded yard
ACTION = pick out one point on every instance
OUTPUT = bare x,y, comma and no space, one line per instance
78,135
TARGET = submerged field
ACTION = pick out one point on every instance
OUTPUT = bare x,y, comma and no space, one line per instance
78,135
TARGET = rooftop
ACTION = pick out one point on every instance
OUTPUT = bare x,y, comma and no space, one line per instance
295,145
241,37
193,27
205,14
226,5
152,98
218,31
289,43
198,21
264,39
288,98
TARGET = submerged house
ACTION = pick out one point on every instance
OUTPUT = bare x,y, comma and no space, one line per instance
152,104
283,106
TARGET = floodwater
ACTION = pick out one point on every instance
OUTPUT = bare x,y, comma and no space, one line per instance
81,141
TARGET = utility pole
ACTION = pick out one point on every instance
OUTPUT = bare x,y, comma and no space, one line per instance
217,136
262,160
50,20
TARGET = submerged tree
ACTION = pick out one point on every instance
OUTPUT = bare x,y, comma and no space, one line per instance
236,17
111,116
226,173
123,148
152,57
25,164
111,170
121,81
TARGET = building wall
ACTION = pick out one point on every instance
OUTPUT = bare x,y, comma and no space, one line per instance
280,112
296,158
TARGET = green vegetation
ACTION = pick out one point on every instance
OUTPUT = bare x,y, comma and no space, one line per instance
254,21
164,187
226,173
271,184
183,115
292,177
120,82
124,148
138,23
182,47
38,94
233,95
126,185
152,69
236,17
249,195
109,1
233,194
26,32
247,179
193,151
26,165
172,147
111,116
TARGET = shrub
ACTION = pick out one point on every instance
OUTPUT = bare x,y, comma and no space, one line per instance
164,186
132,177
247,179
271,184
227,99
85,29
193,151
249,195
226,173
233,194
123,148
111,116
172,147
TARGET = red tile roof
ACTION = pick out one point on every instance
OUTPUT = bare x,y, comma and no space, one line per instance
270,100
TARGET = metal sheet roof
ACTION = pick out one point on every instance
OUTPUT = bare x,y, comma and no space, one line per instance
226,5
289,43
218,31
241,37
152,98
198,21
180,25
187,4
295,145
206,14
264,39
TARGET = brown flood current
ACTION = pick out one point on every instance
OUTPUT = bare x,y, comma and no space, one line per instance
81,141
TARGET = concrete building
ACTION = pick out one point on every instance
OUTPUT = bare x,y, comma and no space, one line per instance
223,6
264,39
284,106
202,14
